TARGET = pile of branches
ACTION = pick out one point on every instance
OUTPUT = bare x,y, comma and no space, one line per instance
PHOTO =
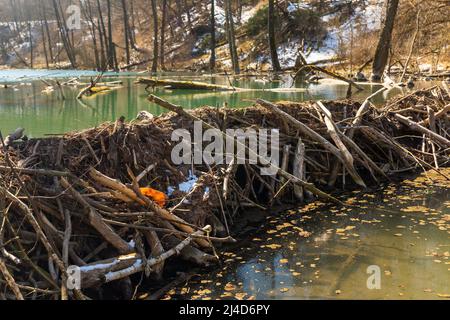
76,216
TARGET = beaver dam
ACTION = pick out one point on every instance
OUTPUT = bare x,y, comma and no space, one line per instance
106,208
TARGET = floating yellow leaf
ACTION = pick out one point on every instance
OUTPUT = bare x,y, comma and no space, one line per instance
230,287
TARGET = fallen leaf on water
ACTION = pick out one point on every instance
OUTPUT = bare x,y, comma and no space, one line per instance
240,295
273,246
284,290
229,287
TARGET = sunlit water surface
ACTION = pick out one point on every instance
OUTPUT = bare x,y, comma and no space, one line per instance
325,252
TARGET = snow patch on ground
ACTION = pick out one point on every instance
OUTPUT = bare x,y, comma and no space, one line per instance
287,54
248,13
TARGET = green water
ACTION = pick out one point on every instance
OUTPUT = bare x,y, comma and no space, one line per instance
22,103
324,252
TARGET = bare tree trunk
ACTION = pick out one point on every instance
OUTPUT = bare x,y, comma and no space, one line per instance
126,31
272,44
111,49
92,29
232,37
47,31
133,25
44,45
103,37
411,49
212,61
163,33
155,37
64,34
30,35
384,43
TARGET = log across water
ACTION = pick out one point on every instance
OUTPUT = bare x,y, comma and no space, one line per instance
192,85
76,200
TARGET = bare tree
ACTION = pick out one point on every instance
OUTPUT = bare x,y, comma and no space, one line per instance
231,37
212,60
382,53
272,44
155,36
126,31
163,33
64,33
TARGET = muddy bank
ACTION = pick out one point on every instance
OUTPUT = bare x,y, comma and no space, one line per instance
111,203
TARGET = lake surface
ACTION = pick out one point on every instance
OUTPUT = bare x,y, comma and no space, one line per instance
324,252
23,104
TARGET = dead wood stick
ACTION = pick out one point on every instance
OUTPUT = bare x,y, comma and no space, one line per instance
10,280
432,120
438,115
419,128
180,111
42,172
445,85
230,170
41,235
339,154
228,239
119,186
285,161
346,155
95,220
91,150
299,168
348,139
156,249
139,266
362,111
145,172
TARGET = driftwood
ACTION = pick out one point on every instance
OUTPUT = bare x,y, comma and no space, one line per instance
175,84
329,73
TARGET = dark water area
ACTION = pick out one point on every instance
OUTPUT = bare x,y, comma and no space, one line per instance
399,234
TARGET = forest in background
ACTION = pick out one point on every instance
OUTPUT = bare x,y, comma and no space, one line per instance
225,35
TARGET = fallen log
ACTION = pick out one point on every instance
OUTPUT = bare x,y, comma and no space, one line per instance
124,266
192,85
419,128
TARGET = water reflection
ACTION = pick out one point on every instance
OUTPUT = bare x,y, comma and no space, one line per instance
321,251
